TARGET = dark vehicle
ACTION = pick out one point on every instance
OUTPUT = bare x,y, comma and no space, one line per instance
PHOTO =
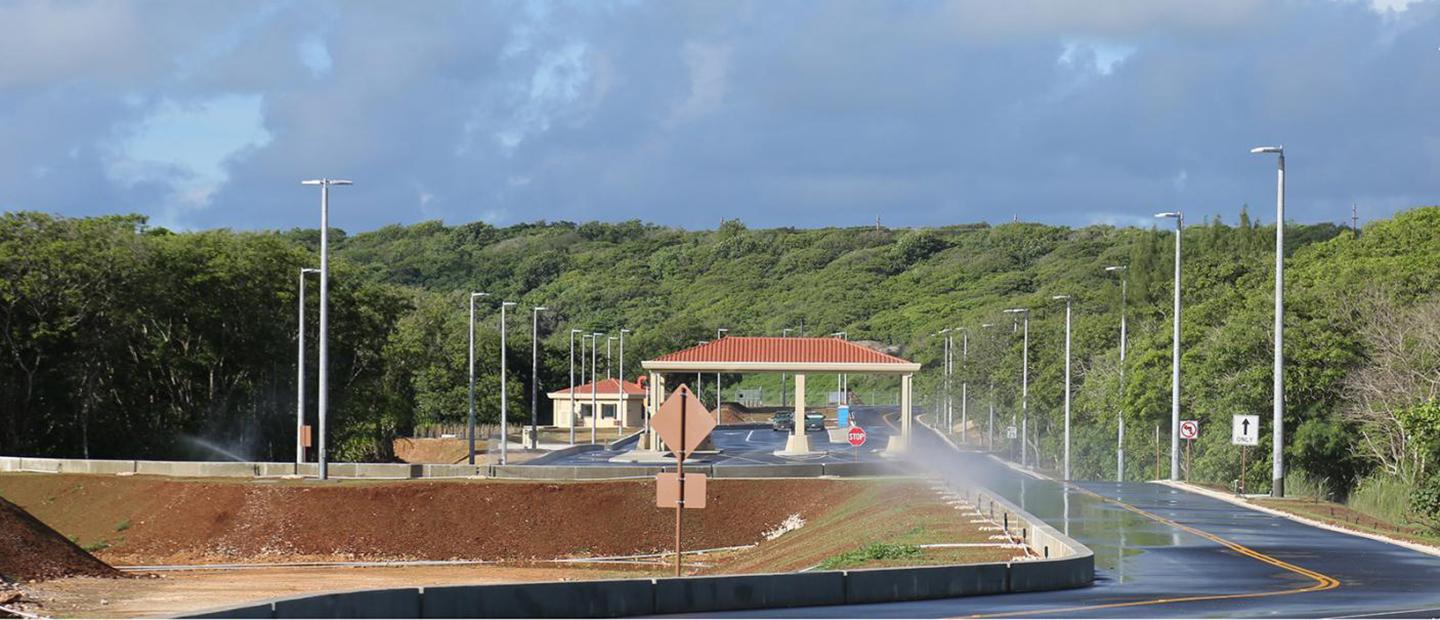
782,421
814,422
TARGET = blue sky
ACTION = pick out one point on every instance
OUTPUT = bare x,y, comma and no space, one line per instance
780,113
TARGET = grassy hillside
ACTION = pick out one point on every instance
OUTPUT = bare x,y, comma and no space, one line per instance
1356,307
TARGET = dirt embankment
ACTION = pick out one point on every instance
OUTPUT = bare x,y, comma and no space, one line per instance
167,521
32,551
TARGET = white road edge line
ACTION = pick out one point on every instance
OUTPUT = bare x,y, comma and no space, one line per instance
1413,546
747,435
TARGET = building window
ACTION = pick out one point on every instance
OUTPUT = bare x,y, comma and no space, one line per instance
607,412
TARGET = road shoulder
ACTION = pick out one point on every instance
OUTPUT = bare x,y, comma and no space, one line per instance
1225,497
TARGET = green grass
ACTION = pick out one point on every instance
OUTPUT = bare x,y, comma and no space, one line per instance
1385,498
99,545
122,526
870,553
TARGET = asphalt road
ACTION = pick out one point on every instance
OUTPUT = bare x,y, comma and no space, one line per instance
1162,552
756,446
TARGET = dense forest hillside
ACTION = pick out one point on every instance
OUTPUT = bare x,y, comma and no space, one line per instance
126,340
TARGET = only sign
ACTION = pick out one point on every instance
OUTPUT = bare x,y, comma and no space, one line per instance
856,436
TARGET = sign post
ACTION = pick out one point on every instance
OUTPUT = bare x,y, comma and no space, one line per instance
856,437
1189,430
1244,432
683,423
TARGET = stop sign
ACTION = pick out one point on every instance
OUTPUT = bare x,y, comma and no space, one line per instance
856,436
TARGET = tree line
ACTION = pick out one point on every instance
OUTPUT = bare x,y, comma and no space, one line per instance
125,340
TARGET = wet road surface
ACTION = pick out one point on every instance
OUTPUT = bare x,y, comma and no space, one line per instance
1163,552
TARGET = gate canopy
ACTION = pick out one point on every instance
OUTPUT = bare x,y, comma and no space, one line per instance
798,355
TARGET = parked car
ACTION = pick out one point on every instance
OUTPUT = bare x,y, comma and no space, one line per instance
814,422
782,421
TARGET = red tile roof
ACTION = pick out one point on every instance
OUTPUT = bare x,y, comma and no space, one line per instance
604,387
769,349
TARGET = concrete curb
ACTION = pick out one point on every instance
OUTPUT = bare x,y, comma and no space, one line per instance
1413,546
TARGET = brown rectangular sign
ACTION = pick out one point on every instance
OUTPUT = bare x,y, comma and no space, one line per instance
667,490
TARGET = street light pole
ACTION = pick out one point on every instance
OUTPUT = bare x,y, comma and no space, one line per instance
944,402
964,385
1066,468
1120,414
594,379
535,376
840,379
624,404
300,376
990,427
1024,386
1277,450
1175,355
504,391
784,393
572,383
470,426
719,333
323,389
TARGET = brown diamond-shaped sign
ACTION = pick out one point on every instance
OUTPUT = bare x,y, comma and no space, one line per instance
683,411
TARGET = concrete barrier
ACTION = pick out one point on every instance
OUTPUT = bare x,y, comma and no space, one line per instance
788,470
572,472
765,591
863,468
454,471
394,603
908,584
562,453
567,599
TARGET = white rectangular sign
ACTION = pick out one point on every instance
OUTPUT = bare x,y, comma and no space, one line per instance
1010,432
1245,431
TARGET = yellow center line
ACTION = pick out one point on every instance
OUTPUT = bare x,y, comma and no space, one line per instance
1322,582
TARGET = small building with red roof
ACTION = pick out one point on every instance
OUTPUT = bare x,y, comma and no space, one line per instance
620,403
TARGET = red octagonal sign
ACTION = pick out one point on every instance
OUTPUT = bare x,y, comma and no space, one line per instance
856,436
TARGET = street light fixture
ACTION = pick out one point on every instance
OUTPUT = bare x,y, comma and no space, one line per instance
470,425
1120,414
1024,385
535,376
1277,452
1066,299
300,375
323,388
1175,355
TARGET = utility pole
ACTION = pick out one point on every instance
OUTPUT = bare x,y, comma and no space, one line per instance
572,382
1024,386
535,377
594,379
1066,469
964,385
1277,452
470,425
1175,355
300,376
323,394
1120,413
504,390
620,409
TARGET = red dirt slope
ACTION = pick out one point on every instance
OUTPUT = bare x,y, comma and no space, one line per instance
31,551
183,521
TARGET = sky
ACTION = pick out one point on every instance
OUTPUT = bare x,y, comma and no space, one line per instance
776,112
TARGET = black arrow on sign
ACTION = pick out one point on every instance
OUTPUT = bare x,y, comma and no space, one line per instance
1245,427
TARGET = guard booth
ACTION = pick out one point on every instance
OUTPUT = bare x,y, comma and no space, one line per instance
797,356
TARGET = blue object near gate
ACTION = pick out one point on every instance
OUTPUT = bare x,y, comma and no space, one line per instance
842,413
